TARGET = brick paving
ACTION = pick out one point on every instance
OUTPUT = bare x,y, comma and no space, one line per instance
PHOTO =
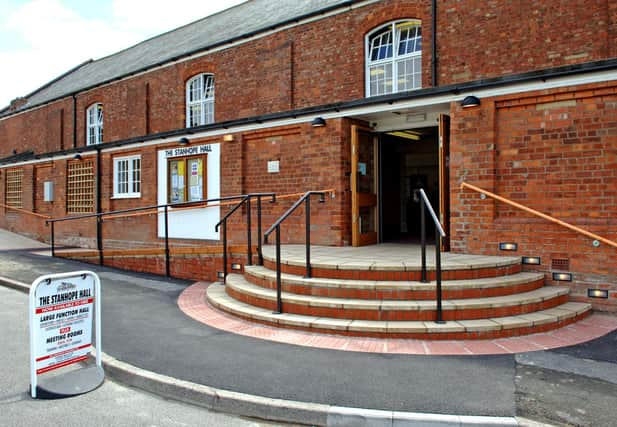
193,303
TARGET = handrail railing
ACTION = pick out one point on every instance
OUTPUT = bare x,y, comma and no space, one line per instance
425,204
306,198
38,215
99,217
539,214
246,199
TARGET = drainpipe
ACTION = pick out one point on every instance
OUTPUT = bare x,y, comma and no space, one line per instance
434,43
74,121
99,222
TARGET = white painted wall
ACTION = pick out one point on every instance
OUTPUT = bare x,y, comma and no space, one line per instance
191,223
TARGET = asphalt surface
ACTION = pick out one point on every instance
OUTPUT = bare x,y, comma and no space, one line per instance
143,326
112,404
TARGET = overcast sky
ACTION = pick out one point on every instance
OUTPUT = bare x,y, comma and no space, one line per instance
41,39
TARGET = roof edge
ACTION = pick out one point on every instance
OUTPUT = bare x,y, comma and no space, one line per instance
46,85
163,62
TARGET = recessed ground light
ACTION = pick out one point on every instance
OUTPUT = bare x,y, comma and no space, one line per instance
562,277
236,266
532,260
597,293
508,246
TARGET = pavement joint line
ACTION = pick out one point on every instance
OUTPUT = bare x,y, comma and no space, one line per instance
270,408
600,370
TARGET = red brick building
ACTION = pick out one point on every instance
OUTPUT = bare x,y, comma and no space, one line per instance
281,96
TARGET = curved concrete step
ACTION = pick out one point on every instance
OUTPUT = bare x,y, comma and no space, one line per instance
541,321
386,262
389,310
396,289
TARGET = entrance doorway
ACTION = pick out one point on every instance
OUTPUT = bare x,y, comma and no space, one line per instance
410,161
388,169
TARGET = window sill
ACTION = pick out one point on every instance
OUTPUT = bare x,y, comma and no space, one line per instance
125,196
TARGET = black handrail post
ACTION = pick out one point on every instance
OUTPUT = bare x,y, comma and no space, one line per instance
279,302
249,242
308,237
438,275
167,272
260,257
224,251
53,247
423,278
99,238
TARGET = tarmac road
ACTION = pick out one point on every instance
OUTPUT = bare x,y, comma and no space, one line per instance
143,326
111,404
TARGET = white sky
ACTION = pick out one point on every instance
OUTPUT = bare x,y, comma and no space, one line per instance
41,39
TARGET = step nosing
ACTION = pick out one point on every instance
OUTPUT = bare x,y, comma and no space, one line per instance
221,300
456,284
240,284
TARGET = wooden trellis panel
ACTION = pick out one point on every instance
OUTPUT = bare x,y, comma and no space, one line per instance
80,187
14,178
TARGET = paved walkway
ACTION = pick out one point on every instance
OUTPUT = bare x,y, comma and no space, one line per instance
143,327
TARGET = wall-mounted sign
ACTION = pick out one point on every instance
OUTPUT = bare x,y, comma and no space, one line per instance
193,150
273,166
64,308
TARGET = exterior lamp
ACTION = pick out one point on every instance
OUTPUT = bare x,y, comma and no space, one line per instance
508,246
184,141
532,260
597,293
77,156
562,277
470,101
318,122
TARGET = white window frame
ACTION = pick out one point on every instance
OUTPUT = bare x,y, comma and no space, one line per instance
94,124
131,180
394,59
205,102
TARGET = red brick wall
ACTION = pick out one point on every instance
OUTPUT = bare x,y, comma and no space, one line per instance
323,62
555,152
479,39
42,130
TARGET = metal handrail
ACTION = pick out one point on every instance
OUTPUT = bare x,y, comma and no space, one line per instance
144,208
246,199
99,217
425,204
306,198
540,214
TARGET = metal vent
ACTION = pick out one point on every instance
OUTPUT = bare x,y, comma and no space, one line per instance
560,264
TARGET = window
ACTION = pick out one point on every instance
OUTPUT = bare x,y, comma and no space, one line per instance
94,124
200,100
186,179
80,187
394,58
127,177
14,178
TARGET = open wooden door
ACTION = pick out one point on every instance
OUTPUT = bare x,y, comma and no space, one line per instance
365,219
444,178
